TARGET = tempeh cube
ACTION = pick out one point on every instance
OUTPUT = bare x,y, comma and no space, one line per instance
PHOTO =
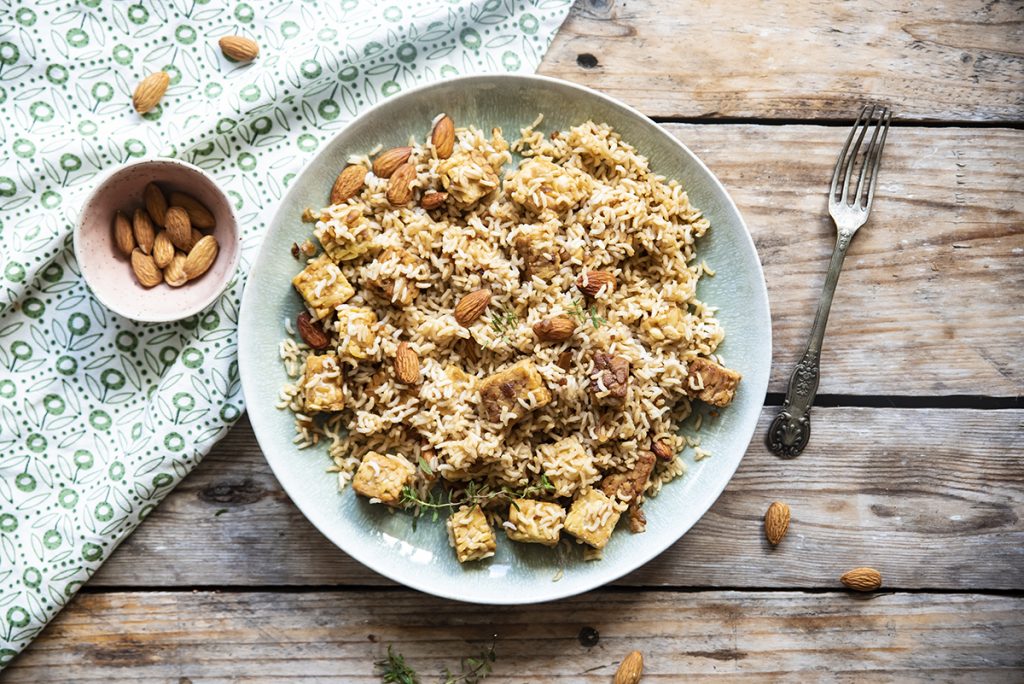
323,286
357,331
470,534
383,476
711,382
345,239
535,522
323,384
592,518
500,394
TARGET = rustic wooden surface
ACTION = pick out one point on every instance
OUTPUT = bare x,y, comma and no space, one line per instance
335,636
916,465
873,488
951,60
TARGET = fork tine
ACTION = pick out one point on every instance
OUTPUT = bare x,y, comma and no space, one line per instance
861,188
851,159
842,155
886,118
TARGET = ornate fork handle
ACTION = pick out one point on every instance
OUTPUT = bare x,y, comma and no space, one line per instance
791,429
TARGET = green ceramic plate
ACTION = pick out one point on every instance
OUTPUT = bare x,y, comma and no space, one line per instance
421,558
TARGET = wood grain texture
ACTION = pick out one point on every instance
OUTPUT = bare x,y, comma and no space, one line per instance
335,637
920,494
929,301
954,60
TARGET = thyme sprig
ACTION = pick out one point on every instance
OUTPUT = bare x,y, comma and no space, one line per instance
472,669
473,494
580,312
504,322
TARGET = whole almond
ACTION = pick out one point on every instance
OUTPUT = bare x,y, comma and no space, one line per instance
662,450
407,365
123,237
555,329
399,190
471,306
163,249
776,522
201,257
591,282
195,237
862,579
145,269
239,48
142,228
630,669
179,228
443,137
386,163
198,214
174,274
311,331
432,200
156,203
349,182
150,90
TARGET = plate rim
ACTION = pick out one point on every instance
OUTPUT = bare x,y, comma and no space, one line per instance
410,579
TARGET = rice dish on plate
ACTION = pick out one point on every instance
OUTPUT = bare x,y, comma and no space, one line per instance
511,345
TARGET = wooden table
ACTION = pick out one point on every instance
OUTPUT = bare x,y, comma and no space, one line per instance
915,466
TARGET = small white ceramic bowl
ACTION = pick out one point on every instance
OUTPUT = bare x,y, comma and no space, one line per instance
109,273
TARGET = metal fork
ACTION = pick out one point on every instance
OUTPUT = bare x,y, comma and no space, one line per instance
791,429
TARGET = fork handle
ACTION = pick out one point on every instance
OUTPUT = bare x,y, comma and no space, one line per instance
791,429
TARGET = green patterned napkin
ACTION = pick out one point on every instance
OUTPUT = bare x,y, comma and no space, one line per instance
100,416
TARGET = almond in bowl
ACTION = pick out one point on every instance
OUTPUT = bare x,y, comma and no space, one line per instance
157,240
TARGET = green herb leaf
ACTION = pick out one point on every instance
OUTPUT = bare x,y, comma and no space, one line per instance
424,466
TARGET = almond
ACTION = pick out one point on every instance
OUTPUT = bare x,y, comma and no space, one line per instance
145,269
862,579
630,669
471,306
123,237
194,237
163,249
555,329
407,365
198,214
443,137
150,90
662,450
239,48
156,203
201,257
386,163
142,227
591,282
349,182
174,274
432,200
564,360
179,228
399,190
776,522
312,332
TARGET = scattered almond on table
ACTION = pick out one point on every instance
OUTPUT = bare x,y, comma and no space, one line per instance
630,669
862,579
149,91
776,522
162,241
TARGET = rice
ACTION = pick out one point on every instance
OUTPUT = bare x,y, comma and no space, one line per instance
581,200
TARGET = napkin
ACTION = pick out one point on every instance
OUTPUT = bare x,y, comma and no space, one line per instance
100,417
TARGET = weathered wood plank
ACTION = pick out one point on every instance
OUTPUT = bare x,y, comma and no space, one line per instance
948,60
336,636
930,300
933,498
